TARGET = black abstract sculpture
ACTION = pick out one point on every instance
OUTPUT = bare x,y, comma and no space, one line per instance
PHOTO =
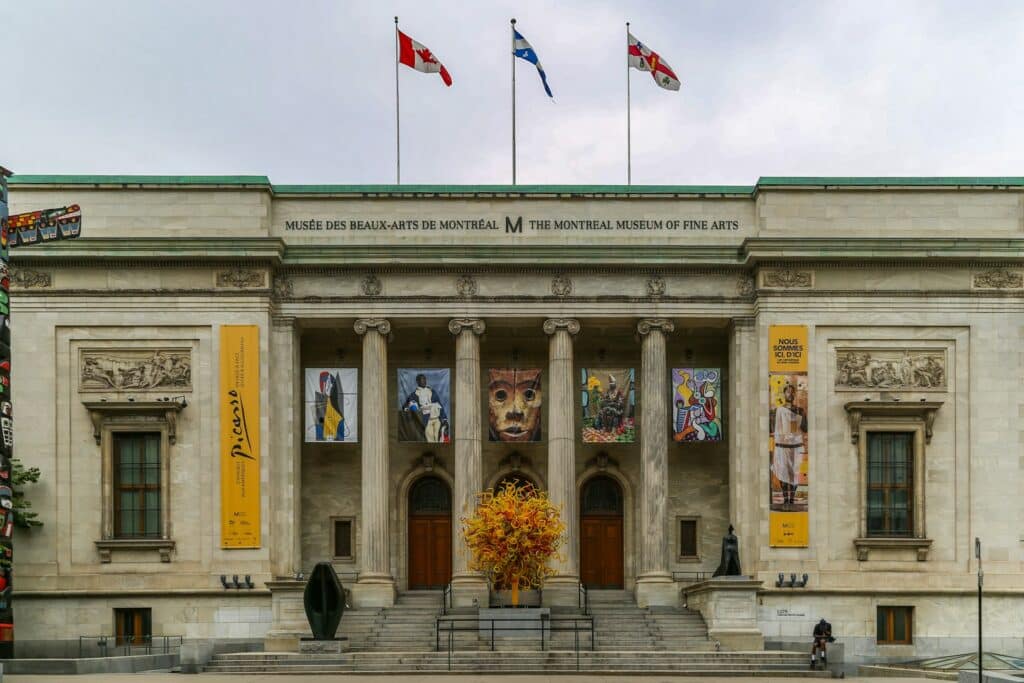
730,564
324,600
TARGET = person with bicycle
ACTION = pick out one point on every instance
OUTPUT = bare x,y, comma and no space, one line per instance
822,637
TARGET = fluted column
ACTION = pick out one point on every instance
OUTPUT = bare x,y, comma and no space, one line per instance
561,429
286,448
468,588
654,584
746,465
375,586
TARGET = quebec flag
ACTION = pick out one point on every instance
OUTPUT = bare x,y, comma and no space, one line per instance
524,50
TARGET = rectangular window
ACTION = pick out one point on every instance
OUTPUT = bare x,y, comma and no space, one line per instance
687,538
137,485
133,625
890,493
343,538
895,625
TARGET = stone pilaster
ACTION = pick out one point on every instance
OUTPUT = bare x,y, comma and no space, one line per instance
376,585
561,428
654,585
285,449
468,588
746,442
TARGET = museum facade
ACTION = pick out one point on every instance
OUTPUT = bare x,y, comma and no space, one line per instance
225,381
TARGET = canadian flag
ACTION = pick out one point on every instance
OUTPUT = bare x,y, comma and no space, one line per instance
645,59
419,57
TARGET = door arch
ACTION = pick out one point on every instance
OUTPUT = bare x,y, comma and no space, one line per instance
601,533
430,533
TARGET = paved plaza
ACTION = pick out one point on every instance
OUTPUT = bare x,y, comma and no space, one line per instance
473,678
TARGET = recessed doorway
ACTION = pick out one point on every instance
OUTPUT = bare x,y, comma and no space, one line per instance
430,534
601,544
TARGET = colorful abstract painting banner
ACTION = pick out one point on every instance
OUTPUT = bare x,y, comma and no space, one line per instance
7,442
240,436
696,404
332,405
787,436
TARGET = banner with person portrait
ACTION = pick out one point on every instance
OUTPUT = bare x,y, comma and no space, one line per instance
608,403
424,404
514,403
788,436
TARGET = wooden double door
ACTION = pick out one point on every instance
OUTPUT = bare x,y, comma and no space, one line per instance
601,542
430,534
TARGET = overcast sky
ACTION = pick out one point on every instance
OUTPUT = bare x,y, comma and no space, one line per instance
303,91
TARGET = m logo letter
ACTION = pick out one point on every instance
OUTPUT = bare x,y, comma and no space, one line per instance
513,227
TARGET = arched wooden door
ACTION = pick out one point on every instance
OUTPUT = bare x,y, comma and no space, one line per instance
430,534
601,544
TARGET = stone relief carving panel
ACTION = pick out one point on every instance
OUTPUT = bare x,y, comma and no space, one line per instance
135,370
26,278
998,278
371,285
787,279
240,278
891,369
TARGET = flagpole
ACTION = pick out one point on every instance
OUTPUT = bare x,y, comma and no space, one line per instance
398,127
513,22
629,128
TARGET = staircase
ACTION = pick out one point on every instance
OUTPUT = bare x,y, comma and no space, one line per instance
620,625
408,626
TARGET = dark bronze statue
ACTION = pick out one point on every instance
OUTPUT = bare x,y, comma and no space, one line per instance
730,564
324,600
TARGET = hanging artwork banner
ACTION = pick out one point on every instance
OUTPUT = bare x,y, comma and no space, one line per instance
696,404
514,402
332,405
609,405
787,436
240,436
424,404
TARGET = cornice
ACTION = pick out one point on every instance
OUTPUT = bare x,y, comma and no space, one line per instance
160,251
758,250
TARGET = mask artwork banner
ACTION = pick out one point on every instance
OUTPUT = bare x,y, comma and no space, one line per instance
696,404
787,436
609,405
424,404
240,436
332,405
514,402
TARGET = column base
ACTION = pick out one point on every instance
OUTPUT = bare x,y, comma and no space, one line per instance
373,591
469,590
561,591
656,590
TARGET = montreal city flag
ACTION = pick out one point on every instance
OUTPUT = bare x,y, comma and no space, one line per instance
645,59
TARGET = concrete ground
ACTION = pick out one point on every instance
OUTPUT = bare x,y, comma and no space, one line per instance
431,678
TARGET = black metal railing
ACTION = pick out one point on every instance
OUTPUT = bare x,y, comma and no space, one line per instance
690,577
584,599
449,626
110,646
446,599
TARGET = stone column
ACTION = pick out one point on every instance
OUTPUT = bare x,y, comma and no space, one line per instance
654,585
285,454
562,589
747,464
375,586
468,588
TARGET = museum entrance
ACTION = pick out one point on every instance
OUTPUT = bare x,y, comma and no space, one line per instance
601,546
430,534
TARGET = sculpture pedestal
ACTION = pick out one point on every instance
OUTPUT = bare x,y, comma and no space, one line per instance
289,616
729,607
334,646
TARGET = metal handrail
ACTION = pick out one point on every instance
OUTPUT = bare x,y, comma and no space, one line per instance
103,643
690,576
446,598
584,599
547,626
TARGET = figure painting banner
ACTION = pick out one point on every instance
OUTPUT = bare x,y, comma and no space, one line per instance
332,405
514,402
788,436
696,404
609,405
424,404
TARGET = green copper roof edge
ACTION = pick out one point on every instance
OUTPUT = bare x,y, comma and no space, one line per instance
260,181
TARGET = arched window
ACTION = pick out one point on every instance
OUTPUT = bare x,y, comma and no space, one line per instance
601,496
429,496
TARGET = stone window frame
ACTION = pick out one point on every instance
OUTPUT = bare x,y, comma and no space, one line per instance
679,538
910,617
110,417
353,532
892,416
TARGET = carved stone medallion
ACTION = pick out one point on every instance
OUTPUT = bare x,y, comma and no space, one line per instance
26,278
998,278
891,369
371,285
745,285
655,286
561,285
466,285
283,288
787,279
135,369
240,278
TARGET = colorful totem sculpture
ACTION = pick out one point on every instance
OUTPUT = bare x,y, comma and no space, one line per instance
7,440
21,229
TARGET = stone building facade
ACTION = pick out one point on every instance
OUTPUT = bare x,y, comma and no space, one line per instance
910,294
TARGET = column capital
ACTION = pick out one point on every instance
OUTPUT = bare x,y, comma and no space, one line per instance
647,325
474,325
570,325
381,325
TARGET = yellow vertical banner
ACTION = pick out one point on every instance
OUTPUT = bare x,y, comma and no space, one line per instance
788,436
240,436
